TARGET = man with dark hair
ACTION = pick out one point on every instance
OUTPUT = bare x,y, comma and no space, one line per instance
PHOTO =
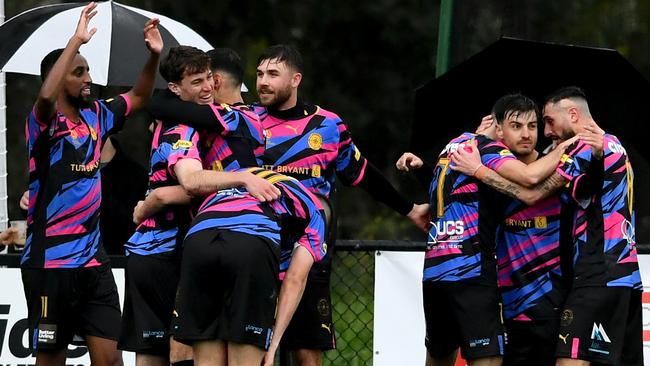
228,75
597,176
530,285
176,169
314,146
68,282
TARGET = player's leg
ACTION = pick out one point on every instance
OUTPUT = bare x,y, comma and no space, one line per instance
179,352
442,330
449,360
103,351
50,358
240,354
308,357
210,353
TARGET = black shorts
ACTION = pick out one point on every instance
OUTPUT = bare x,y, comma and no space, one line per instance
64,302
149,294
228,288
311,326
463,315
602,325
531,343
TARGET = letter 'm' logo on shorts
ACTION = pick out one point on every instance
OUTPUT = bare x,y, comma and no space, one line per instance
47,333
598,333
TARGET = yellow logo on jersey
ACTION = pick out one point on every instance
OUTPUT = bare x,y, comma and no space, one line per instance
182,144
505,152
540,222
267,133
226,106
324,247
357,154
315,171
217,166
93,133
566,159
315,141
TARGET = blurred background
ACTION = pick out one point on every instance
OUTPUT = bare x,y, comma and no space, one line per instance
363,60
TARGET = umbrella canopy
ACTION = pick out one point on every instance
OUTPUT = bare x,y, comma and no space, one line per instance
456,101
116,53
617,93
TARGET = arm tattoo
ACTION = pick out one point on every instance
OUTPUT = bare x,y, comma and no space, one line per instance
551,184
502,185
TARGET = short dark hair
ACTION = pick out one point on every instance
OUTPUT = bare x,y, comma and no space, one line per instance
567,92
48,62
182,60
284,53
513,103
227,60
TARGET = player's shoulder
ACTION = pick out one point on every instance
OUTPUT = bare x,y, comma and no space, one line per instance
320,111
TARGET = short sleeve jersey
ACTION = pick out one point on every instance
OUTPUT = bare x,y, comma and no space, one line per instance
164,232
605,245
240,142
65,185
528,260
464,216
295,218
313,146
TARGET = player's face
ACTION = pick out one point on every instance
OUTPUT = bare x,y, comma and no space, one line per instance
519,132
274,82
557,124
77,81
195,88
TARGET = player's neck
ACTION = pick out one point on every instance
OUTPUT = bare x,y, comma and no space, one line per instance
69,110
229,97
529,158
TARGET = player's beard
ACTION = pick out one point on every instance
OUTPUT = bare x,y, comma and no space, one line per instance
281,96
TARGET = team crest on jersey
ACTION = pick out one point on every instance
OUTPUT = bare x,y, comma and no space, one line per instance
315,141
182,144
217,166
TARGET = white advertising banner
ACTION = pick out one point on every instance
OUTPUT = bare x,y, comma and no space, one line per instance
399,318
13,324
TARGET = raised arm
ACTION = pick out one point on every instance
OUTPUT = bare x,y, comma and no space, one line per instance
141,91
45,105
168,107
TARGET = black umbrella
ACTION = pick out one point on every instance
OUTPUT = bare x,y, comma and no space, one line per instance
618,98
116,52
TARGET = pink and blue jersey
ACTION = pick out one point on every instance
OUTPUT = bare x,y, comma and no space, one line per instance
65,185
239,142
464,217
605,244
164,232
295,218
313,147
528,260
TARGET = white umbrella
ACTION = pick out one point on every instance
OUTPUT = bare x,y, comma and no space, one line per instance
116,53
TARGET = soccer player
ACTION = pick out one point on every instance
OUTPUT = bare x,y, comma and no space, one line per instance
231,262
606,271
176,167
69,286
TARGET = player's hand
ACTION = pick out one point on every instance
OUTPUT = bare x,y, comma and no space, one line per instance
564,145
593,137
138,213
269,356
24,201
420,216
8,236
466,159
152,37
408,161
82,33
260,188
487,127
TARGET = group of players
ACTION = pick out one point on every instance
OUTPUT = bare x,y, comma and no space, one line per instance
239,198
531,259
